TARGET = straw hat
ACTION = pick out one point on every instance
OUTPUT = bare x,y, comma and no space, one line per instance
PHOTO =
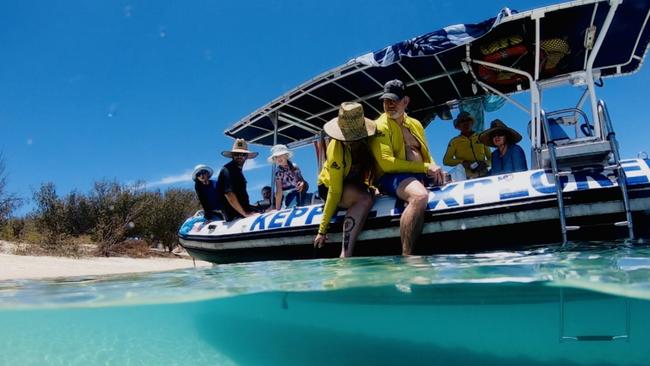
462,116
279,150
240,146
350,125
512,136
200,167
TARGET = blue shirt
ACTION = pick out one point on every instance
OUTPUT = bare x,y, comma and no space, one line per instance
513,161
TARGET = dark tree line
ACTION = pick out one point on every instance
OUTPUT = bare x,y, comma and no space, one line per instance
8,202
109,214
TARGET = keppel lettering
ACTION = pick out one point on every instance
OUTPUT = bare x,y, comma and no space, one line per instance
296,212
316,211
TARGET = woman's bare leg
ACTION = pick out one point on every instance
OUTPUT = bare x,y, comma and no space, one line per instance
359,203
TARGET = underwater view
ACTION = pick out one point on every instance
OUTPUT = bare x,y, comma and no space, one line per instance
586,304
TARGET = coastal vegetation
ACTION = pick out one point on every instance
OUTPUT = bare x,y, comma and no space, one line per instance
111,219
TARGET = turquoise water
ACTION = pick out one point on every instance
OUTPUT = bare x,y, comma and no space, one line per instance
498,308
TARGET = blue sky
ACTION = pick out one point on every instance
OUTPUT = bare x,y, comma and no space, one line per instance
135,90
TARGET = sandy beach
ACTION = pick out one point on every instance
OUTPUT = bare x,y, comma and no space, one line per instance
31,267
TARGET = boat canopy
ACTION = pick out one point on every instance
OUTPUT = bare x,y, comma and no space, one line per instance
593,38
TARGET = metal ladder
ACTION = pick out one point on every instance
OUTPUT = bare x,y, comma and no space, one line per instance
593,337
618,168
557,174
559,186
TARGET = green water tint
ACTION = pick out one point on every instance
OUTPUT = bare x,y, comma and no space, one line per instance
502,308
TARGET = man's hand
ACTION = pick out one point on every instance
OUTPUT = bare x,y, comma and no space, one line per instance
320,240
467,164
435,173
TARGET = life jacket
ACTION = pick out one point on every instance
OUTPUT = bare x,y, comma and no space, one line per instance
506,51
510,51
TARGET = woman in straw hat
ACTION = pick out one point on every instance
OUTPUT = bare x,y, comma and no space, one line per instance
288,178
508,157
345,178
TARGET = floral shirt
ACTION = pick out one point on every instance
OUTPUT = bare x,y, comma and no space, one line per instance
288,176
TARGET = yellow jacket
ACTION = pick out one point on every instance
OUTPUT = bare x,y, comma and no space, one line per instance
336,168
462,148
388,147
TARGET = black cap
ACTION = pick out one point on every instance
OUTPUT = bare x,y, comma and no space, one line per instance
393,90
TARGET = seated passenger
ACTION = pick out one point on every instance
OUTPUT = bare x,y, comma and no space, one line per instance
508,157
467,150
344,180
288,179
206,190
264,204
231,186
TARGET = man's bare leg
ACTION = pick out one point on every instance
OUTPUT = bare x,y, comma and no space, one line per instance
416,195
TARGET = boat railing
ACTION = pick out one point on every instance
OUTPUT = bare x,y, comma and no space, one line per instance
565,156
621,178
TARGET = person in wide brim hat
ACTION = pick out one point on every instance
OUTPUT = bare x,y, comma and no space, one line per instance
350,124
239,147
338,179
512,136
508,157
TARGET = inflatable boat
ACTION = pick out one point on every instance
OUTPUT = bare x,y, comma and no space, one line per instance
578,187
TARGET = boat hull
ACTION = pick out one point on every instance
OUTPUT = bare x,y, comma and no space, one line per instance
454,223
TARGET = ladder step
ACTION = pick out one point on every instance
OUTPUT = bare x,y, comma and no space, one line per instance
622,223
572,227
594,338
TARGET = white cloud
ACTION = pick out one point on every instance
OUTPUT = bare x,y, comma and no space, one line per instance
186,176
172,179
253,164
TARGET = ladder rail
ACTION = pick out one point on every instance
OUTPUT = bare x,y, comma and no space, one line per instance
603,113
556,175
593,337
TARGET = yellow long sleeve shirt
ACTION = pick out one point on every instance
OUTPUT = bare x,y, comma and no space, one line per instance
336,168
463,148
389,150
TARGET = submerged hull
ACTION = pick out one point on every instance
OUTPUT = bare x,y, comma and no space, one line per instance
507,211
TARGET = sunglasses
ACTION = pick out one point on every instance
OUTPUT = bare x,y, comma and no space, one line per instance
202,172
239,155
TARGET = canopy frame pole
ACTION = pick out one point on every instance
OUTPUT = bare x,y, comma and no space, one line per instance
415,81
274,119
537,17
356,96
535,98
451,80
276,131
504,96
590,67
366,97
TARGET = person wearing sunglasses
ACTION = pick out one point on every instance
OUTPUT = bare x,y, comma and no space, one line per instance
206,190
231,184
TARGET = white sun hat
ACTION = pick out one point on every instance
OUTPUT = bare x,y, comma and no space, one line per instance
199,168
279,150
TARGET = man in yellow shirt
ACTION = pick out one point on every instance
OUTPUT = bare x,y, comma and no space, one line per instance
467,150
403,162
